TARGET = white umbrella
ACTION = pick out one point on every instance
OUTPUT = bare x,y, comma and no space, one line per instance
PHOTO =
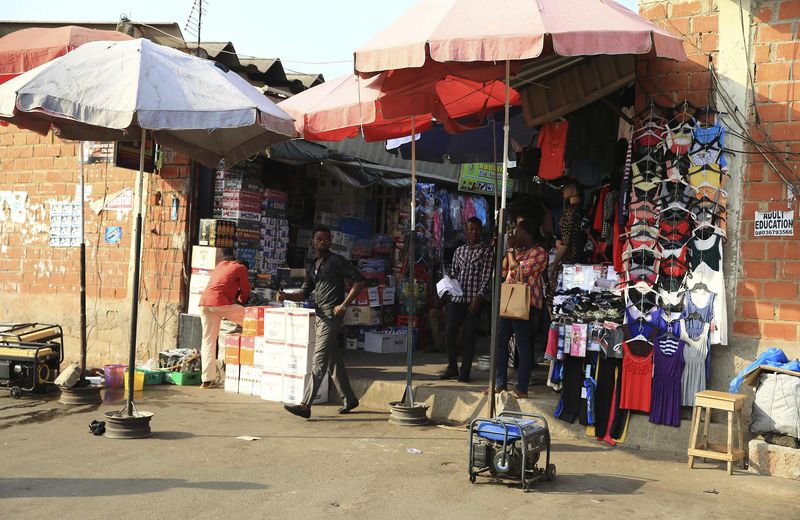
111,91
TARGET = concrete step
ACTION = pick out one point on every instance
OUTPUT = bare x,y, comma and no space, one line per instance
773,460
379,379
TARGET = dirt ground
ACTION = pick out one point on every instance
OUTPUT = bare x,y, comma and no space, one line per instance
331,466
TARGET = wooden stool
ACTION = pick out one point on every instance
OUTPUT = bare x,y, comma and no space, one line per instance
731,403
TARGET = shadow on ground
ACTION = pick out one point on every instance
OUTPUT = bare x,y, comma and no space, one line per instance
94,487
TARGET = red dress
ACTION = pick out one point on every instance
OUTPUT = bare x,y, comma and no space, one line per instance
553,143
637,378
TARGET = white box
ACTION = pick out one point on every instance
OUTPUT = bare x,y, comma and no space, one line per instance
275,324
384,343
301,326
246,380
274,356
272,386
257,375
232,373
193,307
298,359
294,388
205,257
199,281
260,352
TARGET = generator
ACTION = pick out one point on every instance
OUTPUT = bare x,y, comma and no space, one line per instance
30,357
509,447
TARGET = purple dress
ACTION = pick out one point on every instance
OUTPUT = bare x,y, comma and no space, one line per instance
668,363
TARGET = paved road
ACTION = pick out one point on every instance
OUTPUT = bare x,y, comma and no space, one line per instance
329,467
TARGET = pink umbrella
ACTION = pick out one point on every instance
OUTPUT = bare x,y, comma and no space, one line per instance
23,50
476,30
462,32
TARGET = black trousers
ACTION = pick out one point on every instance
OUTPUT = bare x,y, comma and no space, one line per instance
458,317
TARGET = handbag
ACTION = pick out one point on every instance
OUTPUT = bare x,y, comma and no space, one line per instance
515,301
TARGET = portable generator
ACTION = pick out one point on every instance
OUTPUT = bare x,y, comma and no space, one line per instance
30,356
509,447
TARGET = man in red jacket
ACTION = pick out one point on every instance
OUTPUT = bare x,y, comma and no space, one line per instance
227,289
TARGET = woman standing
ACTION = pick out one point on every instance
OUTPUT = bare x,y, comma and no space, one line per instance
525,263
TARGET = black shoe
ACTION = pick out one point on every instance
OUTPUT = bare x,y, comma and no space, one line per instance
463,379
449,374
348,407
298,410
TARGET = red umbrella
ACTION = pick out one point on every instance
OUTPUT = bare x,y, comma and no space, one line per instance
460,33
23,50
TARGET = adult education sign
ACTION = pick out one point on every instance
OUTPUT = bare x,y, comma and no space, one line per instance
774,223
480,178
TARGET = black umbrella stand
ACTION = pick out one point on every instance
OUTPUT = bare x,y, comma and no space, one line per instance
407,412
82,393
129,423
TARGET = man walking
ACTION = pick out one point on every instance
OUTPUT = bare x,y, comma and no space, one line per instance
227,289
325,278
472,267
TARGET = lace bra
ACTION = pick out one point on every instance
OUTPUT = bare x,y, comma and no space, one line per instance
679,138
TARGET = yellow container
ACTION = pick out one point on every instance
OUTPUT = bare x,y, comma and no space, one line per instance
138,381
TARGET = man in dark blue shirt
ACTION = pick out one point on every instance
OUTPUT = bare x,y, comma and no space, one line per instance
325,278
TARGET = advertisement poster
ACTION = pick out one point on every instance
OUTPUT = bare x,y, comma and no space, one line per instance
774,223
113,234
127,155
480,178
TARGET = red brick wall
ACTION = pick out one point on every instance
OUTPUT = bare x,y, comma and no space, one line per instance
36,280
768,292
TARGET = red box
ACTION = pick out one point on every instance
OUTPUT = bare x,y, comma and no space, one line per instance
232,344
253,322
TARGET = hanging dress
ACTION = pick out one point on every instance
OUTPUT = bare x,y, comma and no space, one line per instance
706,263
695,351
667,378
637,367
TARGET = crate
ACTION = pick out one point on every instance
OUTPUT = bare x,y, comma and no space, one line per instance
114,375
182,378
152,377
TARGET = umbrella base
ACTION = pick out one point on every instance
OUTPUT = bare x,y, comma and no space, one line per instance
403,415
122,426
81,395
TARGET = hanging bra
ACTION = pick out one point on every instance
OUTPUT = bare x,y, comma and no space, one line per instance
646,171
705,175
674,267
707,210
676,191
641,300
708,251
642,212
671,301
674,231
681,253
641,256
641,273
679,138
650,132
712,140
711,193
642,236
670,284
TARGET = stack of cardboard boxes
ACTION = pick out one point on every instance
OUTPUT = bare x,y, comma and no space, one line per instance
204,260
272,358
274,231
237,198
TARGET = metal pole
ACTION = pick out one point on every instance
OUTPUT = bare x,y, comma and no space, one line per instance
82,270
137,237
501,224
409,395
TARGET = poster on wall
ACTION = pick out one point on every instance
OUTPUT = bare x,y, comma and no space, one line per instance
774,223
480,178
65,224
98,152
113,234
13,205
127,155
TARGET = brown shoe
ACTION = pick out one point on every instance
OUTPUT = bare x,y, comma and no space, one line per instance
520,395
497,390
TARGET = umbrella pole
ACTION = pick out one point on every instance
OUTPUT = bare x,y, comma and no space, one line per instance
137,237
82,269
412,261
501,225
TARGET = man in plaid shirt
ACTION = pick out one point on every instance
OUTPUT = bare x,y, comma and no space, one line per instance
472,267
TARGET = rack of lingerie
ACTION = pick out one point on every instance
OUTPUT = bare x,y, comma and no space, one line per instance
653,354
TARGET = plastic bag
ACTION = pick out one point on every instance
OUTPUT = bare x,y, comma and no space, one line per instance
771,357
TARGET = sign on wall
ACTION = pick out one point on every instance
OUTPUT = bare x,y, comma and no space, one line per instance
774,223
13,205
113,234
480,178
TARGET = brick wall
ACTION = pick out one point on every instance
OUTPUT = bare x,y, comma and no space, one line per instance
768,291
41,283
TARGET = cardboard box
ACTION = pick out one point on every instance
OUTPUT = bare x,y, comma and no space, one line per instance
193,306
298,359
199,280
274,354
259,354
245,380
232,349
205,257
294,387
362,316
253,322
232,373
247,350
302,326
751,378
383,342
275,324
272,386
